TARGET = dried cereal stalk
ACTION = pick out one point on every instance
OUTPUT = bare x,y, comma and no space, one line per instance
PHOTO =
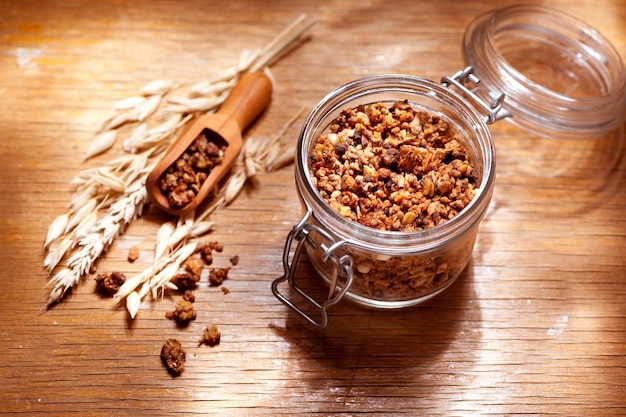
176,243
115,192
93,242
276,156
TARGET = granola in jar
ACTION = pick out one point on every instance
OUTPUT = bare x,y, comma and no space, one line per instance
394,168
394,173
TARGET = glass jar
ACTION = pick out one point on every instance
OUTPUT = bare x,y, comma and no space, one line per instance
387,269
393,269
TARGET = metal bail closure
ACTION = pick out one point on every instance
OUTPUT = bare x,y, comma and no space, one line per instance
342,268
467,82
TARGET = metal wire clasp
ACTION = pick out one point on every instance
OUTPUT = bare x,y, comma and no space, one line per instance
303,233
466,81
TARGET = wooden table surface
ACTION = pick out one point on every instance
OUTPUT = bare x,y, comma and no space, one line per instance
535,326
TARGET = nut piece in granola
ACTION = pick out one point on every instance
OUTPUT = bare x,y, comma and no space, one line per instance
108,283
173,356
210,336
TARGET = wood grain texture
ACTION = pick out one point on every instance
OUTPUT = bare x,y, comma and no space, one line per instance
535,326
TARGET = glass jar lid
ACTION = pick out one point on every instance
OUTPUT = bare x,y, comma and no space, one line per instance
561,78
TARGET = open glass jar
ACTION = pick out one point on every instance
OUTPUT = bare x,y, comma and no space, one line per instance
393,269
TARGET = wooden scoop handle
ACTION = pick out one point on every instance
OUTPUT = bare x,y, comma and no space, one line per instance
248,98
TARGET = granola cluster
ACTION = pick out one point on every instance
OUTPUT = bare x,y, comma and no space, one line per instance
108,283
183,179
395,168
189,276
183,312
173,356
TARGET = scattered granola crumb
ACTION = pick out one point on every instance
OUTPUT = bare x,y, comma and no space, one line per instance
217,246
108,283
133,254
206,250
189,296
185,280
183,312
218,275
194,264
173,356
210,336
206,253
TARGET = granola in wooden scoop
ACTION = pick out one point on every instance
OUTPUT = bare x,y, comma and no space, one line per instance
203,154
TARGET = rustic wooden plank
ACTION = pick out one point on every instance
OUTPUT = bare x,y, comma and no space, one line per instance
534,326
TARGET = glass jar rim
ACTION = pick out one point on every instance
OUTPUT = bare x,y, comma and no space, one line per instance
532,105
427,238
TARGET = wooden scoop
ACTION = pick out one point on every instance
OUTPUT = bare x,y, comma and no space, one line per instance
246,101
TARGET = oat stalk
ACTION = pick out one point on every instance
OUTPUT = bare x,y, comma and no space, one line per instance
94,241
